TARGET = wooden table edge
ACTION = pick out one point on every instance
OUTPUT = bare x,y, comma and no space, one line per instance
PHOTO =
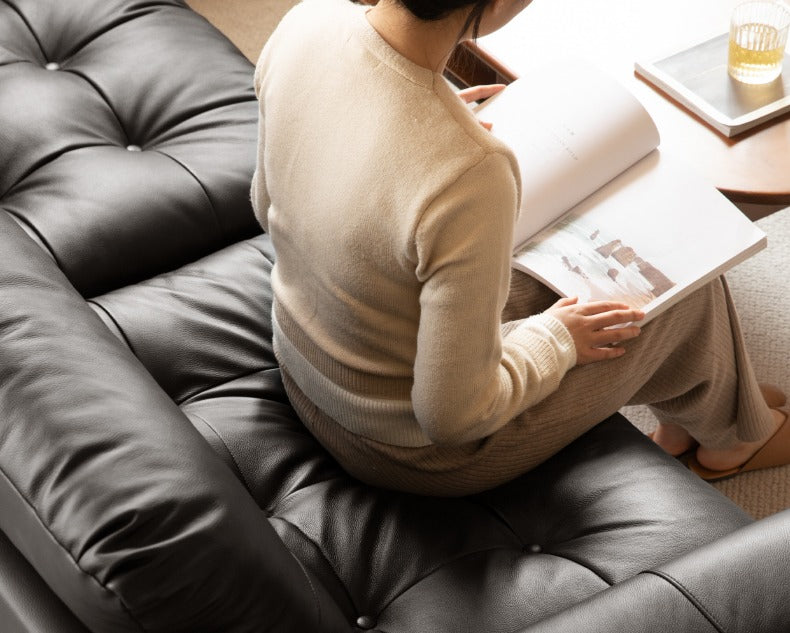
470,65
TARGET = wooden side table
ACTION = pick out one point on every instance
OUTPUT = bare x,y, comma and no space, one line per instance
753,167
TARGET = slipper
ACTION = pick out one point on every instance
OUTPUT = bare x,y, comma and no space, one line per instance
775,399
775,452
773,395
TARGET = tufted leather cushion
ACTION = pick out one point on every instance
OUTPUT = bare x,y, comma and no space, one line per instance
127,134
152,471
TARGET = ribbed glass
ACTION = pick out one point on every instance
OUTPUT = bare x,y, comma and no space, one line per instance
758,36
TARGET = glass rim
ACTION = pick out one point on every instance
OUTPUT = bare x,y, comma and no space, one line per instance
779,10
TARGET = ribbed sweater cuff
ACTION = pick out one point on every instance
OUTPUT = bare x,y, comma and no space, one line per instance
564,341
550,346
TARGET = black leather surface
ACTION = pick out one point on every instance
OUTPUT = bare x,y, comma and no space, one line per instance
107,488
740,582
152,471
26,603
645,604
734,585
124,74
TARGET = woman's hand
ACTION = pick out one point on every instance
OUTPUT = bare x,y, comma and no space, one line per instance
476,93
588,324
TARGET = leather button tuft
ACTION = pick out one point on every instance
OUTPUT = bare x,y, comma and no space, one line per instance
533,549
365,622
52,66
134,148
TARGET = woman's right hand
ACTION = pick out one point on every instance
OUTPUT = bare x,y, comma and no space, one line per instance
591,327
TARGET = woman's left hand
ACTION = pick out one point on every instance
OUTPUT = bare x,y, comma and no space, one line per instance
476,93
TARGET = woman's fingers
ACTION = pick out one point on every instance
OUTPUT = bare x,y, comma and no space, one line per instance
476,93
597,327
615,317
595,354
614,335
564,302
600,307
603,314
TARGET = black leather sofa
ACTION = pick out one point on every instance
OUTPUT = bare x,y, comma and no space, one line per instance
153,476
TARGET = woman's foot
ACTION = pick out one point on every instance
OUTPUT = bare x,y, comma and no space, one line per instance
728,458
773,395
674,439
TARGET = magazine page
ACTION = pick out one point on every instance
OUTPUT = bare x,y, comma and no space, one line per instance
649,237
572,128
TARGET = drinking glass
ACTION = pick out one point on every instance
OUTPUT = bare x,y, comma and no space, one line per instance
758,35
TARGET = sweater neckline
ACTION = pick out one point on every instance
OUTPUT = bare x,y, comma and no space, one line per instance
382,49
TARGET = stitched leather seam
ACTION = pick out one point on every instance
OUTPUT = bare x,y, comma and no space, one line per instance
68,553
460,557
689,596
100,92
151,7
299,531
200,184
141,11
164,137
193,397
236,467
22,219
253,247
115,322
501,517
51,158
28,25
583,565
13,61
312,589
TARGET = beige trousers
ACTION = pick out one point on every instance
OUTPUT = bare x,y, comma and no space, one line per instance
689,364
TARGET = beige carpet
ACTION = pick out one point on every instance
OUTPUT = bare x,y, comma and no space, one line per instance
760,285
247,23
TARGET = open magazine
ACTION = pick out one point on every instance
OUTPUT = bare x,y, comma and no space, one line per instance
604,215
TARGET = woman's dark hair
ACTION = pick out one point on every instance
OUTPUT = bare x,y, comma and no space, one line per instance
438,9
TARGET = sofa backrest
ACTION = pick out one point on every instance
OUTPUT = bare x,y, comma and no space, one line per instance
133,132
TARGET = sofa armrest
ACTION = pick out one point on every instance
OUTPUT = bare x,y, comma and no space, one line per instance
27,605
107,489
736,584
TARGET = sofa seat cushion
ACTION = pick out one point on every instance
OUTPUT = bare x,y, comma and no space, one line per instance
124,479
608,507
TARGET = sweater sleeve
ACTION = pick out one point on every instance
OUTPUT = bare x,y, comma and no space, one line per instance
469,380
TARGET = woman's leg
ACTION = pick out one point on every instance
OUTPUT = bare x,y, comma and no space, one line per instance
726,405
689,364
677,441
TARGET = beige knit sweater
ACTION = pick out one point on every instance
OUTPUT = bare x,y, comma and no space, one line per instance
391,211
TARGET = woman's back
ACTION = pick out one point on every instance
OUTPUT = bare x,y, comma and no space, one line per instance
391,211
388,201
